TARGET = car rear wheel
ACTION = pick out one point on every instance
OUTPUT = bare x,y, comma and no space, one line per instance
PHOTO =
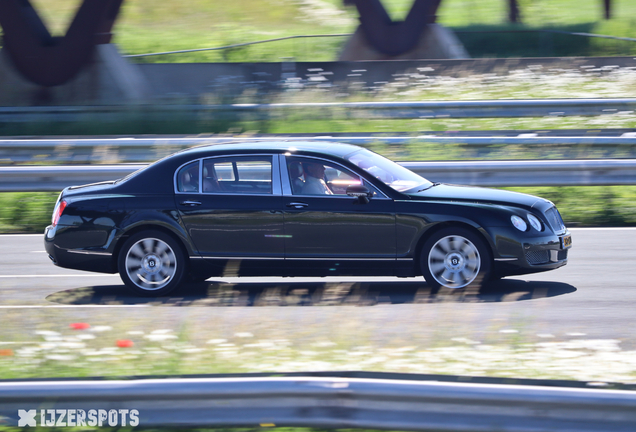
151,263
455,259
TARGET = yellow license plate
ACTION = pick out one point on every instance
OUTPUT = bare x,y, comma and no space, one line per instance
566,242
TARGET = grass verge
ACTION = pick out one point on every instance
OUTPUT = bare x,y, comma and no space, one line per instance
146,26
203,344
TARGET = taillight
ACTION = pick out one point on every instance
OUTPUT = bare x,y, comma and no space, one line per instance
59,209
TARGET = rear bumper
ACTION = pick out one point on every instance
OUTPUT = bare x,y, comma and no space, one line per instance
88,259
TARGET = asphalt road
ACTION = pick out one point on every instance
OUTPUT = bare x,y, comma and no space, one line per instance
593,296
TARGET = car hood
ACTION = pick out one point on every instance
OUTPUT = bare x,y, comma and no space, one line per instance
447,192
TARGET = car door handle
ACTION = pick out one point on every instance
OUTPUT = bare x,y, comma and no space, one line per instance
191,203
297,205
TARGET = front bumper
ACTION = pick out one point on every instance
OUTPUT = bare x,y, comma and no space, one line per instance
518,253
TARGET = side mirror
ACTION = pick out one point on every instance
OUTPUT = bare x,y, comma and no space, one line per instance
360,192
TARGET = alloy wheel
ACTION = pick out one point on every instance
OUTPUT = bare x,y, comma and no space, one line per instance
151,264
454,261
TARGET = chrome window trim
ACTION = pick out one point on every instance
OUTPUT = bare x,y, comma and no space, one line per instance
276,183
338,259
242,258
287,192
294,258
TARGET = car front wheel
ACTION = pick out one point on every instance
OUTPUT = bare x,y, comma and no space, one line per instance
151,263
455,258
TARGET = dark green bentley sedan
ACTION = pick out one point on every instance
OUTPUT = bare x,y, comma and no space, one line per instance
299,209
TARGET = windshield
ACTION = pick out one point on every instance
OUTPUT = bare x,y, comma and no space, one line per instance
392,174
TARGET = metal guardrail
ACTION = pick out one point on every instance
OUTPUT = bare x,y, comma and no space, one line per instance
343,110
238,45
477,173
137,150
244,44
331,403
601,172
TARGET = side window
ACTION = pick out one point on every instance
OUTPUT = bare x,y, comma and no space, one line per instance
316,177
188,178
239,174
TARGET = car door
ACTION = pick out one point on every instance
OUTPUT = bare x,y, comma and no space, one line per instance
234,211
323,223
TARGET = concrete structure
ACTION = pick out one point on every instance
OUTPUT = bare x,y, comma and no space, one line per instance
436,42
109,79
113,80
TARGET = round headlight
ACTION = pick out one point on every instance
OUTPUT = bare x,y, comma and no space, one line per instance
535,222
519,223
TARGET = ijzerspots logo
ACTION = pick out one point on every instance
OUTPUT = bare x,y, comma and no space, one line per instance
77,417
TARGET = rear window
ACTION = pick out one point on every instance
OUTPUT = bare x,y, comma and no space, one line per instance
188,178
238,175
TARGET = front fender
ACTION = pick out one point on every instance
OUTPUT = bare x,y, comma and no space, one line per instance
416,220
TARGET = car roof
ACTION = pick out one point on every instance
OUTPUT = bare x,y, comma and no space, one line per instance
292,146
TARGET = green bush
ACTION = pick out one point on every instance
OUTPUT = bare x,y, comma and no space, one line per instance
579,206
26,212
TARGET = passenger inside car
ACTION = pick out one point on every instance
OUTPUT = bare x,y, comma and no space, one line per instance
189,179
296,177
210,181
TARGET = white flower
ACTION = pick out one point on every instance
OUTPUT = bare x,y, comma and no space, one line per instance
99,329
47,333
508,331
60,357
85,336
26,352
360,353
72,345
161,331
48,345
135,332
465,340
160,337
244,335
191,350
216,341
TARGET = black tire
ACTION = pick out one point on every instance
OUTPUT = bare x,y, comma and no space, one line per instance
455,259
151,263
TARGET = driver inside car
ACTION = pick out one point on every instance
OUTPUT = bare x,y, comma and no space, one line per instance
315,179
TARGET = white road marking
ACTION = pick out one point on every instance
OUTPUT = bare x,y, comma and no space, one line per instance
602,229
71,306
58,275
